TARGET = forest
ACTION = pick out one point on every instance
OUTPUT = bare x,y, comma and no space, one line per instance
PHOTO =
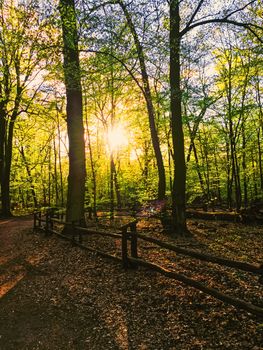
131,174
113,104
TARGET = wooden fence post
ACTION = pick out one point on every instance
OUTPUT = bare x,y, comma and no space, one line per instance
124,248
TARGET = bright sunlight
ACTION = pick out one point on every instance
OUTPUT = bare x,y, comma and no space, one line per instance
117,137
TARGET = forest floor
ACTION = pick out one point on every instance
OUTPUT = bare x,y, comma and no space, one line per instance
56,296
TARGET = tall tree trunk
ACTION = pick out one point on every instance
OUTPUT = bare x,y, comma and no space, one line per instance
2,142
6,147
49,176
5,189
260,130
77,172
178,193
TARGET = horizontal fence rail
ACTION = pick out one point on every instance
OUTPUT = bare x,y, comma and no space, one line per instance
129,237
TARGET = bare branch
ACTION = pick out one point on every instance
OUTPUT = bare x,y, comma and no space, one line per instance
240,9
195,13
225,20
106,53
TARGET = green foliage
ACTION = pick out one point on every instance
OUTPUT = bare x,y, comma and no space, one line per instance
221,102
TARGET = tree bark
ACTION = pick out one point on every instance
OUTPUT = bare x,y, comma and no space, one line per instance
8,148
5,190
77,172
178,191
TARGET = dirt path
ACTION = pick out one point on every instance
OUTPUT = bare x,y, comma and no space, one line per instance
55,296
12,257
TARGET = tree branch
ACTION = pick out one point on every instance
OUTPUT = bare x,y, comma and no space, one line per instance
121,62
240,9
194,14
225,20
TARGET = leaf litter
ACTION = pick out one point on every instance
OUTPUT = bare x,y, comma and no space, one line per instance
77,300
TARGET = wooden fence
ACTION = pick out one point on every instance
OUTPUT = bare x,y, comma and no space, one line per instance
45,220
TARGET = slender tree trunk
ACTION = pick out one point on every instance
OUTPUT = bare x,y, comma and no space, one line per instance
235,174
111,187
217,176
229,177
244,144
237,182
260,129
200,177
254,170
170,168
259,140
49,176
206,167
55,172
244,164
77,172
116,185
149,103
260,134
30,177
112,124
193,147
60,163
179,185
92,165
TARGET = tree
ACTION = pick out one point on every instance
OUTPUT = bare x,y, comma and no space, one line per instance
228,16
143,82
77,172
20,61
148,98
178,191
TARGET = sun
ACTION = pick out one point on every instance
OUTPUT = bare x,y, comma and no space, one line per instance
117,137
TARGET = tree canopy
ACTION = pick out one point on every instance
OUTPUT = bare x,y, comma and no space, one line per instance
108,104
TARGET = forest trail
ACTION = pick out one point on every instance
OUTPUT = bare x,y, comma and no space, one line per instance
12,263
57,296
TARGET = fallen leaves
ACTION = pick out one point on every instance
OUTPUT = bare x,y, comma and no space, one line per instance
86,302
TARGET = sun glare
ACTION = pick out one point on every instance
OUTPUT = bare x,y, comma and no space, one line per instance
117,137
